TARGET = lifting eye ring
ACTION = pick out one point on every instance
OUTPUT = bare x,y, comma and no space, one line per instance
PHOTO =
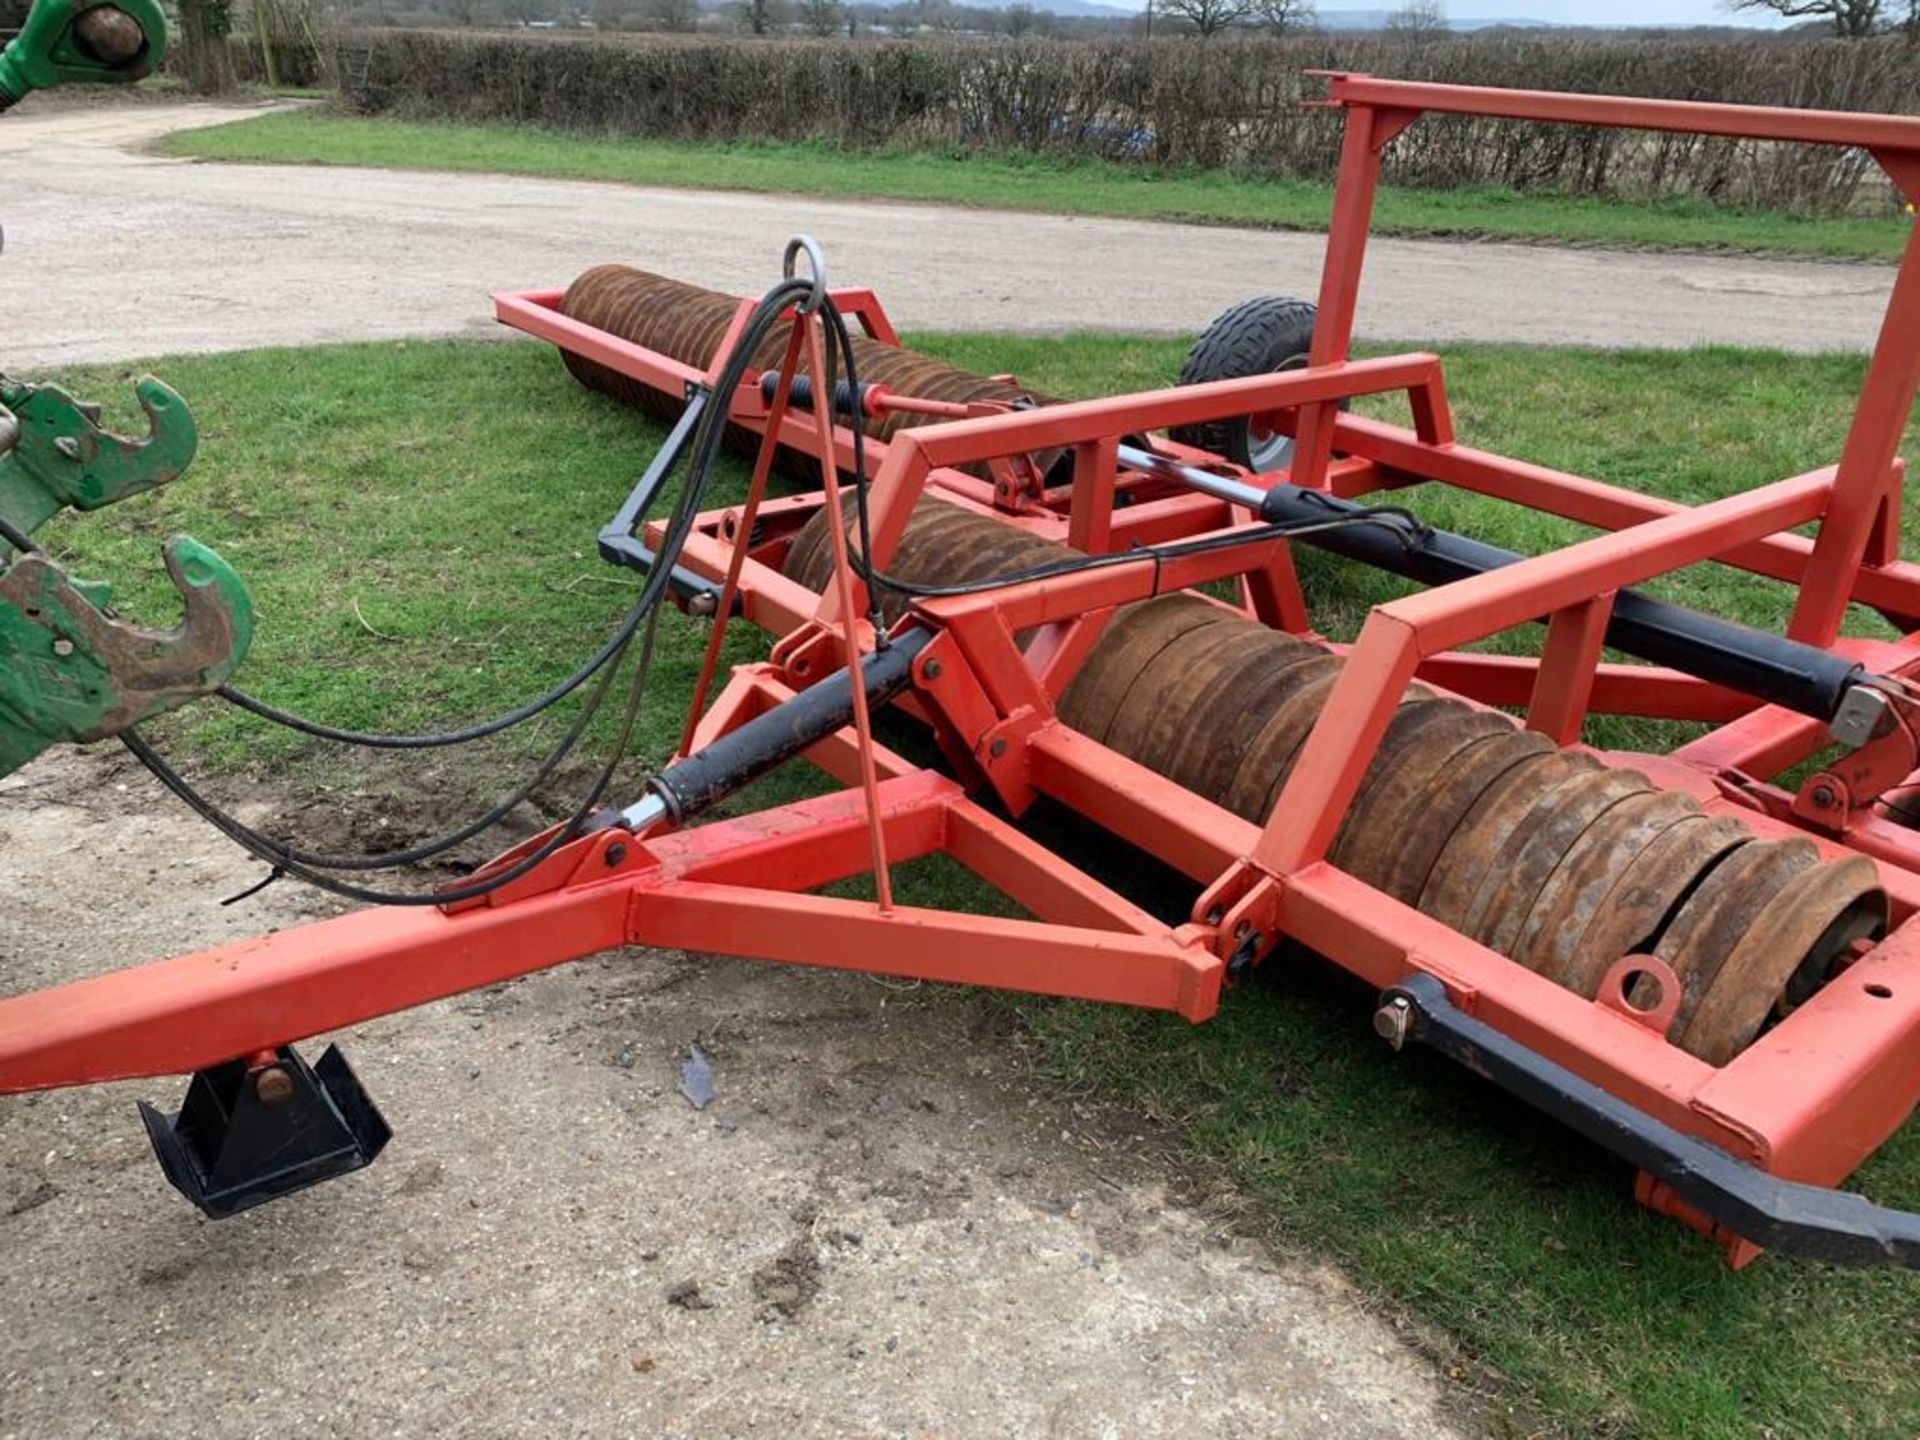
816,265
1642,988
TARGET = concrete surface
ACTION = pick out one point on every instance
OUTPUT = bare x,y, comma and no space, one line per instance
889,1226
116,254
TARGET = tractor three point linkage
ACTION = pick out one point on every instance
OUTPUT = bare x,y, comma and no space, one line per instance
1706,961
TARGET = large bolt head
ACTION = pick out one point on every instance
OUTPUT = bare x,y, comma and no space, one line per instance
273,1086
1393,1020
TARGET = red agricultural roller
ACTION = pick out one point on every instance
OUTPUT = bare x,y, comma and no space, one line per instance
1706,961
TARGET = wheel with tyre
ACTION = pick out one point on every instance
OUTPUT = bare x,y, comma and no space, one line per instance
1256,337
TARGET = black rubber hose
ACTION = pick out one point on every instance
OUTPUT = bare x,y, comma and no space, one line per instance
706,439
288,860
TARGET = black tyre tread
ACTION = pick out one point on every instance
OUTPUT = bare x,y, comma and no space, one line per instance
1252,338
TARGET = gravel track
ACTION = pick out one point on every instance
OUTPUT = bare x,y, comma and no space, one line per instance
114,253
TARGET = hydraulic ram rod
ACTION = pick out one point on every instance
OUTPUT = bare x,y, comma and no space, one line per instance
709,775
1779,671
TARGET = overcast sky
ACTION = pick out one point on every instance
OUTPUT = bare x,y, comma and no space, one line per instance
1583,12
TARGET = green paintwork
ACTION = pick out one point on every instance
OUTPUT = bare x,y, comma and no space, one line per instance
63,458
70,671
48,52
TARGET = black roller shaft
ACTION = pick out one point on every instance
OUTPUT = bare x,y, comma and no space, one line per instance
740,756
844,402
1782,672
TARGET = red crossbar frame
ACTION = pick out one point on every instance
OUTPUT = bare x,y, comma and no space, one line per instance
1809,1100
735,887
1854,1053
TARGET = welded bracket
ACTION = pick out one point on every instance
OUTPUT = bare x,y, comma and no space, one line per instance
1811,1222
619,539
253,1130
1875,719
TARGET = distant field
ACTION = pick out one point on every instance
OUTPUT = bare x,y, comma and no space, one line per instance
1015,181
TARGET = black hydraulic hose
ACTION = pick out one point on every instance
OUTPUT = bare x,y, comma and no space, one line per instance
276,855
466,735
1779,671
838,339
311,868
786,293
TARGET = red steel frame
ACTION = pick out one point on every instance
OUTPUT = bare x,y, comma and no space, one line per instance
1809,1100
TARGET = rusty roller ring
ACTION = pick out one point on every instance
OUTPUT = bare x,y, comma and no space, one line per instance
688,323
1560,863
1384,816
1446,801
1458,871
1646,894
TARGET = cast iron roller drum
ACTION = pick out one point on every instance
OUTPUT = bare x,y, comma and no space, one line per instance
1549,857
689,323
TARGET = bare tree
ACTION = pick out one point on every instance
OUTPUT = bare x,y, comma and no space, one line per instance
758,17
204,27
821,17
1207,18
1289,17
1019,19
671,14
1852,19
1418,21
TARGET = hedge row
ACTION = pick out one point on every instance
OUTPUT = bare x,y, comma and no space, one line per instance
1178,102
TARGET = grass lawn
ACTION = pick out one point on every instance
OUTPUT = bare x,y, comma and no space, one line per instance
417,520
1019,182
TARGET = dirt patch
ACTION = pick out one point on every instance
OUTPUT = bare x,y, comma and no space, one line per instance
788,1285
882,1224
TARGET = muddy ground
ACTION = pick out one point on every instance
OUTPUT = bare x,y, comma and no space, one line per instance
887,1224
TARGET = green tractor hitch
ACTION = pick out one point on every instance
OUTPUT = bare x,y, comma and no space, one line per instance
70,670
53,453
82,42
